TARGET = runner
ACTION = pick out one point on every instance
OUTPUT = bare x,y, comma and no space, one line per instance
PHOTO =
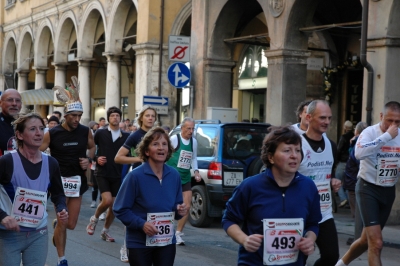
184,157
148,201
68,143
108,173
25,177
278,194
377,149
127,155
10,103
319,158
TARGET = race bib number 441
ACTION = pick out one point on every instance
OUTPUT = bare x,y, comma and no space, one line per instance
281,237
29,207
164,222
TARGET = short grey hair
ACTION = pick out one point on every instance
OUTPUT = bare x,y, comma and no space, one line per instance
361,126
186,119
313,106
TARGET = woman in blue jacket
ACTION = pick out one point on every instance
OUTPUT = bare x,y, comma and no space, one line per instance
149,200
279,209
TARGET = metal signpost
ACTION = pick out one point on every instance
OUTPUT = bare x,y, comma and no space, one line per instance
160,103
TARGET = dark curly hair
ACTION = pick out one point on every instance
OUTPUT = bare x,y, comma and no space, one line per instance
276,136
153,134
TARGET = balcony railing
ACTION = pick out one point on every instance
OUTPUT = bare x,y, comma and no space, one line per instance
9,4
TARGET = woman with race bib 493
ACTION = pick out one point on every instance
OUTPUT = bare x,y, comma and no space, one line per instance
278,209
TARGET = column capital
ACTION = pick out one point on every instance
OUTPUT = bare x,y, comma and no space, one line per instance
287,56
60,65
40,70
22,72
84,61
216,65
383,42
113,57
148,48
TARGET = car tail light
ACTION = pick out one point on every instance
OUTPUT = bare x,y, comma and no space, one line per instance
215,171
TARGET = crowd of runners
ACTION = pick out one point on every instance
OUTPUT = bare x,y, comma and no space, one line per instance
144,178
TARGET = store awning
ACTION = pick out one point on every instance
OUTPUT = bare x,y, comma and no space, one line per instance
38,96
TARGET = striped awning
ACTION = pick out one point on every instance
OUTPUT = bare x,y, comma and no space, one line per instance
38,96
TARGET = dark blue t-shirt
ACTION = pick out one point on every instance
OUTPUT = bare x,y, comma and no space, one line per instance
133,141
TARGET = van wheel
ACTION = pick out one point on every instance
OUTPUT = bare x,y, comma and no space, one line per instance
198,216
256,167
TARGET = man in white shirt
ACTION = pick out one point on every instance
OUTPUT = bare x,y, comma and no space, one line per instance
378,149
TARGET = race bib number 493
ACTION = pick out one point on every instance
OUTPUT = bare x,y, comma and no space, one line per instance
281,237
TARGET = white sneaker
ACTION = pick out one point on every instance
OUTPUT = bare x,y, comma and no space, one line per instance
179,240
124,255
103,216
93,205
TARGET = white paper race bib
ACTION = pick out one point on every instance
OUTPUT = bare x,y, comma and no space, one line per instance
71,185
281,237
325,195
388,170
185,159
29,207
164,222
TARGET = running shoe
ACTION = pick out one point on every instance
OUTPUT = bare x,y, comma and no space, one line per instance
107,237
124,255
103,216
63,263
93,205
179,240
92,225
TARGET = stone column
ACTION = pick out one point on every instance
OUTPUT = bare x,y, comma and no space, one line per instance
40,83
84,84
23,84
287,80
22,79
113,82
146,79
60,78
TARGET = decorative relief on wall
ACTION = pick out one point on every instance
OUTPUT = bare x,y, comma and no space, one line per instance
276,7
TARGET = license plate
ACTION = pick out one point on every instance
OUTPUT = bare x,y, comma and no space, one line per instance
233,178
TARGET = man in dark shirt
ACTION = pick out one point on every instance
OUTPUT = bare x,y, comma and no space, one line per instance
108,173
73,147
10,103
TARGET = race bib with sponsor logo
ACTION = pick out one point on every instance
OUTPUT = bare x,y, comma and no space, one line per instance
71,185
387,171
164,222
325,195
185,159
281,237
29,207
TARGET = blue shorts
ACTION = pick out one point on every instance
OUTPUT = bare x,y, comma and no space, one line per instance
374,202
29,246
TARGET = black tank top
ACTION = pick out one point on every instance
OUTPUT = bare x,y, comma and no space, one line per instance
67,147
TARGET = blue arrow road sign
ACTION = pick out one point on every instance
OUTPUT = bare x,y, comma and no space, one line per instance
178,75
155,100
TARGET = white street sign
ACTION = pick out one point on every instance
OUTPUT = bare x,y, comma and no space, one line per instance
179,48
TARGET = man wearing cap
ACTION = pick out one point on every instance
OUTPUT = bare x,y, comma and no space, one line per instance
69,143
108,173
342,157
10,103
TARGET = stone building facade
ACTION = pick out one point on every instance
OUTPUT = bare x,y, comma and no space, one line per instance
260,56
